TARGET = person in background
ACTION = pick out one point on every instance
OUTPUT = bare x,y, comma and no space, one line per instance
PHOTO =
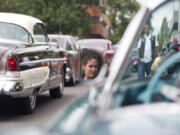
147,51
175,45
90,64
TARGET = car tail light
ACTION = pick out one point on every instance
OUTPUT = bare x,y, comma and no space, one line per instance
12,65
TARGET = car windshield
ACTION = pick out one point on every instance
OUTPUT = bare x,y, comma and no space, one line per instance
152,66
13,32
162,29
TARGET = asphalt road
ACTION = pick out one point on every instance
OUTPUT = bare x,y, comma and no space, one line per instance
46,108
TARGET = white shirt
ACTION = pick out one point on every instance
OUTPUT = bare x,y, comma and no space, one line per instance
147,50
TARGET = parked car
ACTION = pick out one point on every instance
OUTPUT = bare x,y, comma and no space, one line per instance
102,46
73,69
29,63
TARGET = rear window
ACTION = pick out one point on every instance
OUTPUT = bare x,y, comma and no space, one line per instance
13,32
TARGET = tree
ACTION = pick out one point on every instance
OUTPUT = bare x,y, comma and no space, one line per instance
164,34
68,16
122,13
60,16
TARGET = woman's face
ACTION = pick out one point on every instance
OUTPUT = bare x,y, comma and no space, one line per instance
90,69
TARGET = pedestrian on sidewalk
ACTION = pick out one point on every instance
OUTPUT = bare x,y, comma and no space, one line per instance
147,51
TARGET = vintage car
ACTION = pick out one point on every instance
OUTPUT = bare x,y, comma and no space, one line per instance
127,105
102,46
29,63
73,67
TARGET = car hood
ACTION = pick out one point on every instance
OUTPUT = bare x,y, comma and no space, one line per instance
23,129
70,117
151,119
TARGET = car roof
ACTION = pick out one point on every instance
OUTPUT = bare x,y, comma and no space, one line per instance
94,40
59,36
25,21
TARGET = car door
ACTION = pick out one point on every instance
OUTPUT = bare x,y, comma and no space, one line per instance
77,59
73,56
48,59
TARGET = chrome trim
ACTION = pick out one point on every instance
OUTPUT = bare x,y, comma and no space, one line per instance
12,74
41,61
14,87
68,70
68,74
11,86
126,43
118,64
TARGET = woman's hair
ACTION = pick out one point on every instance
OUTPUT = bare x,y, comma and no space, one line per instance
87,55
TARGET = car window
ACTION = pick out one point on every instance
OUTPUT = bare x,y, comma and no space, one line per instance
163,31
163,34
74,44
69,46
14,32
62,42
162,28
38,33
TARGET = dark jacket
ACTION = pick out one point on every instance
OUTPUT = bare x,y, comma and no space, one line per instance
142,48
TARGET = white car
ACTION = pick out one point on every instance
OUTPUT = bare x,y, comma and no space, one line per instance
29,63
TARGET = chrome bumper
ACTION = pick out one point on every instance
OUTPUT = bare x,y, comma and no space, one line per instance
68,74
13,88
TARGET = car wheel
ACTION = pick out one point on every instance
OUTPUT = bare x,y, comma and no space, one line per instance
72,81
30,102
58,92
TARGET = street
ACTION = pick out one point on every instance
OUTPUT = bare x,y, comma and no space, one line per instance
46,108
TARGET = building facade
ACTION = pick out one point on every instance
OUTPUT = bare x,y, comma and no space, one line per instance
101,24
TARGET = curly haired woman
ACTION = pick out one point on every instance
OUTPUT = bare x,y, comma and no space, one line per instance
90,64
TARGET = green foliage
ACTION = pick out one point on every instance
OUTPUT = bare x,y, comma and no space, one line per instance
122,13
164,34
68,16
88,2
60,16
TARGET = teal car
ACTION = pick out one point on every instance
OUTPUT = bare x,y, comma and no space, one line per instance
123,104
